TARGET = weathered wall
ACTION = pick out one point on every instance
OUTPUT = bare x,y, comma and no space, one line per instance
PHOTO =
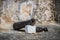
44,12
11,12
8,16
57,11
1,8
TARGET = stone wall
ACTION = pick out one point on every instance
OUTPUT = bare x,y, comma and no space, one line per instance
57,11
43,12
1,8
8,17
11,13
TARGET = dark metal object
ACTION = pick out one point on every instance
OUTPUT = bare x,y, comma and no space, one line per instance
45,29
20,25
40,29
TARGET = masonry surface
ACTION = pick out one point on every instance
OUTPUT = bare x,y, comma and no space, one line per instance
7,18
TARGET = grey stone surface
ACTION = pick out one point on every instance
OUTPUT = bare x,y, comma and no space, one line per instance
52,34
57,9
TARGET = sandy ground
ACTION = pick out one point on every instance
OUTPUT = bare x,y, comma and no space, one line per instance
52,34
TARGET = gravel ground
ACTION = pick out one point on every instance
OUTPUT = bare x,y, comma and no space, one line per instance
52,34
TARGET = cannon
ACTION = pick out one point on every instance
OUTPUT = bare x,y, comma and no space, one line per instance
20,25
